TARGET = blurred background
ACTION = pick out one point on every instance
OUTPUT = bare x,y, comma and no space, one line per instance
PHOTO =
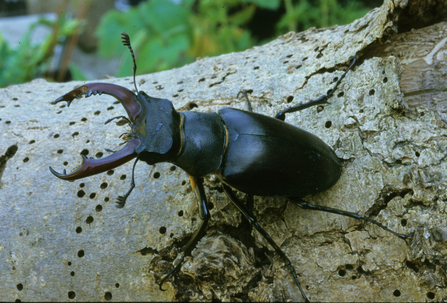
63,40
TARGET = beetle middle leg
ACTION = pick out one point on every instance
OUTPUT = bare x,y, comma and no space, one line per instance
197,186
320,100
244,210
244,92
309,206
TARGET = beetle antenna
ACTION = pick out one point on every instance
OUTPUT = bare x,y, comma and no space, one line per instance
126,42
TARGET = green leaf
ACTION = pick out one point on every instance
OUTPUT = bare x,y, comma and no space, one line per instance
269,4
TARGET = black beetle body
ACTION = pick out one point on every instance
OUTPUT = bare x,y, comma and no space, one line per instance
253,153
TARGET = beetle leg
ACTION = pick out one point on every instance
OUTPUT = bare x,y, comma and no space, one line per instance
122,199
244,210
197,186
244,92
306,205
320,100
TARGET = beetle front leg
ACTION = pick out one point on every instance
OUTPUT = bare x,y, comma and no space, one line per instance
244,210
122,199
197,186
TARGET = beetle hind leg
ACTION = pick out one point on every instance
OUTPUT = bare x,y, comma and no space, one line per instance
307,205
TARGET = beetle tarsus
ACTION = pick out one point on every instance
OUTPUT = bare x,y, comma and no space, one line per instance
121,201
117,117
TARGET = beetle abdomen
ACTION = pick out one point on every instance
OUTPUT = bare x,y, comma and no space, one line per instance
268,157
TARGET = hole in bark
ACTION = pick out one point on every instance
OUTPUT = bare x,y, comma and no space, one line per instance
81,253
71,295
108,296
89,220
81,193
78,230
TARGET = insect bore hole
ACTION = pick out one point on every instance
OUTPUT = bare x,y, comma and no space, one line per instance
396,293
430,295
328,124
162,230
108,296
156,175
78,230
289,99
89,220
71,295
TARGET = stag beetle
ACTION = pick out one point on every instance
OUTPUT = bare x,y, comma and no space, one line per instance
250,152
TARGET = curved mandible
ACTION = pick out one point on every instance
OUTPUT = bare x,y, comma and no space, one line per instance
125,96
91,166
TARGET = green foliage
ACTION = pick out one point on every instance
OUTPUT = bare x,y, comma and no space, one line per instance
28,60
318,13
166,35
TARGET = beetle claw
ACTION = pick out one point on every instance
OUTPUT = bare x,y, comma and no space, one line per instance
121,202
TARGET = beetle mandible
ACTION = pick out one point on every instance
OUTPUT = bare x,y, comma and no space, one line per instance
250,152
